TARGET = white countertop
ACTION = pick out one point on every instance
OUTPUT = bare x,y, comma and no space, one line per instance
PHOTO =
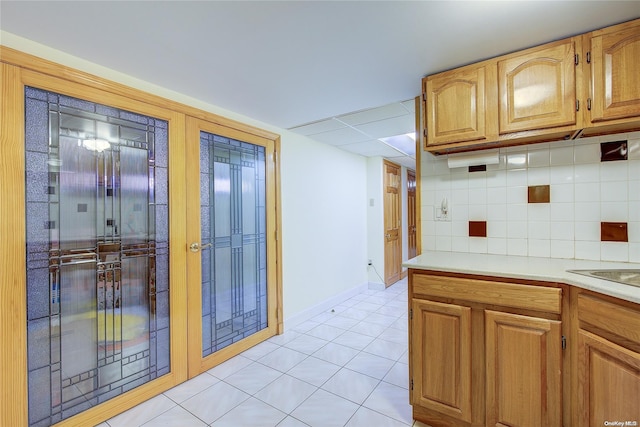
520,267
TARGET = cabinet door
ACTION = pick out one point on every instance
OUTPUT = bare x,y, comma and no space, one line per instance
537,89
523,376
441,360
609,382
615,59
456,106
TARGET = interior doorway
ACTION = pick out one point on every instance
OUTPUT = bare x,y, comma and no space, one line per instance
392,222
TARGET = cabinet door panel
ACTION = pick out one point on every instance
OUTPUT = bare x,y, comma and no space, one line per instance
456,106
609,381
523,358
615,58
538,89
441,360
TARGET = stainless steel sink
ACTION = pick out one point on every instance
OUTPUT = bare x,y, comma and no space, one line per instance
626,276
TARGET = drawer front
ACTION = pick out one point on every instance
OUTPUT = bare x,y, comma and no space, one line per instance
621,321
530,297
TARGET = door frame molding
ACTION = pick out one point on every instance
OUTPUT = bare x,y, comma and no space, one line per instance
385,163
19,69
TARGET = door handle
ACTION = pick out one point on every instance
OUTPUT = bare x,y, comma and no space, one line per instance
195,246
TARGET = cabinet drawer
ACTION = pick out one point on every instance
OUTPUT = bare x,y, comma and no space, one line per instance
621,321
529,297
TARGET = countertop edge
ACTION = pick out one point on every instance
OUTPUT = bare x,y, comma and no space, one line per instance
528,268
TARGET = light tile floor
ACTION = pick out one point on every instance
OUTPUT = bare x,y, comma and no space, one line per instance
346,367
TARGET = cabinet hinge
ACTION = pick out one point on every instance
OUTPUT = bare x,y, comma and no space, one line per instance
576,59
411,314
424,133
424,97
577,105
564,342
589,57
411,383
589,104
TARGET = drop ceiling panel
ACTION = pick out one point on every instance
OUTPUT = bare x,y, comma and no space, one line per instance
373,114
389,127
318,127
340,137
404,161
371,148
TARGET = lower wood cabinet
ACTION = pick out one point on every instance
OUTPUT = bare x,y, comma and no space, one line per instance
523,370
491,352
485,353
608,363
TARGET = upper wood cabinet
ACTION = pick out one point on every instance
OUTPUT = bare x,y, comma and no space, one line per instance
581,86
537,88
457,103
615,72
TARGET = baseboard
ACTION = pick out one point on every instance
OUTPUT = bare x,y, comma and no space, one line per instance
301,317
374,286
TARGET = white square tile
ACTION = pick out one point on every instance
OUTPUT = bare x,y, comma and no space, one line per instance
307,344
251,412
497,212
587,172
614,251
538,158
392,401
496,178
342,322
351,385
225,396
561,174
292,422
614,211
398,375
517,229
562,230
634,252
369,329
497,246
517,247
253,377
478,245
561,211
325,409
353,340
365,417
397,332
381,319
562,249
614,171
561,156
387,349
496,196
370,364
286,393
496,229
614,191
539,248
587,250
517,211
230,367
259,350
538,176
516,161
517,178
538,212
175,417
539,230
143,413
316,371
354,313
337,353
283,359
183,391
282,339
586,152
586,192
587,211
460,243
562,193
587,231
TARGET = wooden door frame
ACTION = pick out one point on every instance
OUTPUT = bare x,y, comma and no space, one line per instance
411,172
198,364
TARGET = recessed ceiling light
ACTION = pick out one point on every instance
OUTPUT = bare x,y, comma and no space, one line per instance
405,143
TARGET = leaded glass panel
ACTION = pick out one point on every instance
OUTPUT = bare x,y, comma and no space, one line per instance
97,253
233,218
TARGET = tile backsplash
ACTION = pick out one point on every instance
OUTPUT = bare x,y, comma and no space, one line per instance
584,193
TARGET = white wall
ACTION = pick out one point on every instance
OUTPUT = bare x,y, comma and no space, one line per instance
584,192
324,237
375,221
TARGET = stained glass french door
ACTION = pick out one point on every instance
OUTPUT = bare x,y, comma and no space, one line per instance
231,234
